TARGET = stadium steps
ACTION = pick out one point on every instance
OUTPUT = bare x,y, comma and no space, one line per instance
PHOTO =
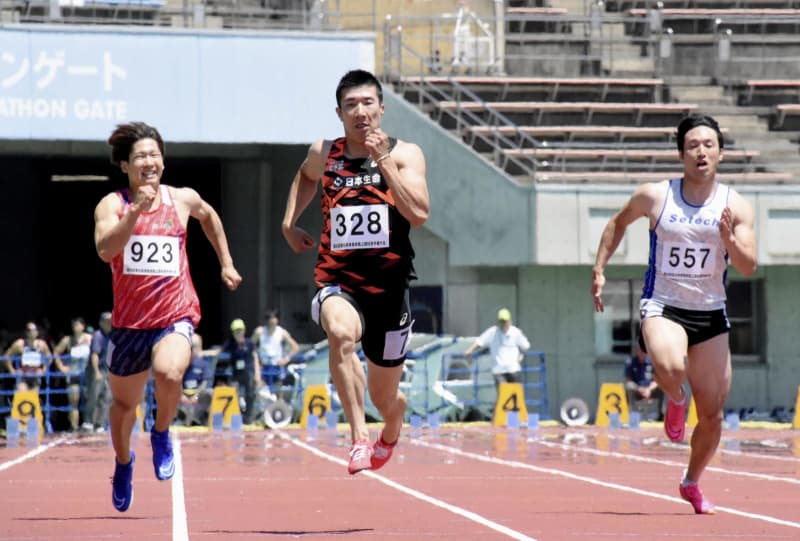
748,126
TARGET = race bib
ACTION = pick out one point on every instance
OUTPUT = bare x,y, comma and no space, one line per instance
152,255
31,359
396,343
360,227
79,352
685,260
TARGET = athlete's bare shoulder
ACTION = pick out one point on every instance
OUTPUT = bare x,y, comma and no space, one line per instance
109,206
646,200
187,202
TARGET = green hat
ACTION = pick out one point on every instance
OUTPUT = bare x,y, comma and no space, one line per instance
237,325
503,315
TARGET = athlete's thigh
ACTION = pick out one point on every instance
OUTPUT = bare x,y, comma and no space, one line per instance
709,372
339,319
129,390
172,352
666,343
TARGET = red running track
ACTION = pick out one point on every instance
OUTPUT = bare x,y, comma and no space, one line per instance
458,482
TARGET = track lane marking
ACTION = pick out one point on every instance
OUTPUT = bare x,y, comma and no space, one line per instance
32,453
513,534
593,481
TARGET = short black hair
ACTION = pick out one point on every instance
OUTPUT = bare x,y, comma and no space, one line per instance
354,78
271,313
693,121
125,136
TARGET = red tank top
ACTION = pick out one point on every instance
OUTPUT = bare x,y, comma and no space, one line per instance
150,277
365,244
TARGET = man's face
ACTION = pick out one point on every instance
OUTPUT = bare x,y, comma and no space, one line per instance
145,165
360,110
701,153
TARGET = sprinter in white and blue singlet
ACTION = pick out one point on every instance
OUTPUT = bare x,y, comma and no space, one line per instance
697,226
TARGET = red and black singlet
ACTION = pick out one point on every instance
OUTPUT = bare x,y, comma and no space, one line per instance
365,245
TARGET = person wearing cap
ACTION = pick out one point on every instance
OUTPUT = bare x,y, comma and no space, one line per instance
507,345
97,394
240,358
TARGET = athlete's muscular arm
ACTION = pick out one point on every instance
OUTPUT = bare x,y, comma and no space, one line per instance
215,232
301,193
58,351
640,204
111,233
738,235
13,350
404,173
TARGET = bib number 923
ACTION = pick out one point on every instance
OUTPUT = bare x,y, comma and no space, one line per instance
153,255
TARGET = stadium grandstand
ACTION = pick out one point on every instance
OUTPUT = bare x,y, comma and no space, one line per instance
537,119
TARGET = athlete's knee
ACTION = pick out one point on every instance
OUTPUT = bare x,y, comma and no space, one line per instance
341,338
123,406
170,375
388,402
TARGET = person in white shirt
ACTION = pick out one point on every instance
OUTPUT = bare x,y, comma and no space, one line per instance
275,350
507,345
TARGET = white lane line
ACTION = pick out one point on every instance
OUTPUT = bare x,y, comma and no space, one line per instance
593,481
32,453
722,447
180,529
513,534
650,460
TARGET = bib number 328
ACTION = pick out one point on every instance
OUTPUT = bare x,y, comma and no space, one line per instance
359,227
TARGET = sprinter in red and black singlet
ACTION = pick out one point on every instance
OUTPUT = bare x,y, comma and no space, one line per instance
358,251
373,191
141,233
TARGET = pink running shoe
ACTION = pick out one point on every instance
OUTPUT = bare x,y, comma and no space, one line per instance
693,495
360,457
675,420
381,452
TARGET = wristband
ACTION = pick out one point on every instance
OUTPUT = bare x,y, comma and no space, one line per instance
379,160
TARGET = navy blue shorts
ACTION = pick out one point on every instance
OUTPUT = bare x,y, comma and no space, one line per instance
130,350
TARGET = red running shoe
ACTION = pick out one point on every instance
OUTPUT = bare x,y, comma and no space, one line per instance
675,420
381,452
693,495
360,457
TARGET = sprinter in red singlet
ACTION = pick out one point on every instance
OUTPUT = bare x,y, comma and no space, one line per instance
373,191
141,232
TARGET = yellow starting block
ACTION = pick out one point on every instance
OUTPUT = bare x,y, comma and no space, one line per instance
611,399
510,397
316,402
691,420
225,401
26,406
796,423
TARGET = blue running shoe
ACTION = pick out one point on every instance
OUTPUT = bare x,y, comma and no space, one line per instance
121,486
163,460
